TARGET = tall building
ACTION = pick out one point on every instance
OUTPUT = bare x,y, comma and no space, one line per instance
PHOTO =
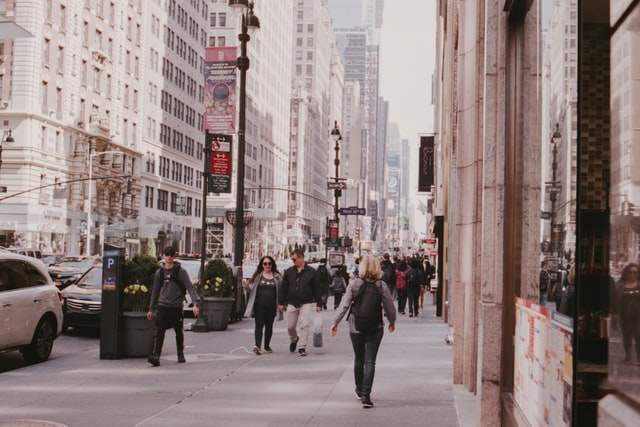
267,125
316,105
171,54
357,24
69,93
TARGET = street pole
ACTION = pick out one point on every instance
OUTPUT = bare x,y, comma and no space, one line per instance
90,195
201,322
249,21
556,138
337,192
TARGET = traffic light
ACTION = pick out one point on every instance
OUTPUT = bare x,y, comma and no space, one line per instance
357,233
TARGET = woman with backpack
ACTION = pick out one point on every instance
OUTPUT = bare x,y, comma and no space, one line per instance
365,299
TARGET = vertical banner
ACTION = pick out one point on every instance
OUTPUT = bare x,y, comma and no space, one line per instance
220,89
333,240
219,162
426,161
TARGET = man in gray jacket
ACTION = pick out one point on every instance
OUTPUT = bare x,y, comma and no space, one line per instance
170,285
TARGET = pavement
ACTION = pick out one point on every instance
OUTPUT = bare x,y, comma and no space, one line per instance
223,383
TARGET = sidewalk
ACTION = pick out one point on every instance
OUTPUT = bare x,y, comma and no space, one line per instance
223,383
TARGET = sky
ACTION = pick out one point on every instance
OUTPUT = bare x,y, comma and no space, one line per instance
407,65
407,61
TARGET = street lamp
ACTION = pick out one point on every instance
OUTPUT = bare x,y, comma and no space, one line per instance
89,195
337,192
9,139
556,138
250,22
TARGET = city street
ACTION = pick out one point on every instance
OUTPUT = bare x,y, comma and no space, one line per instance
224,383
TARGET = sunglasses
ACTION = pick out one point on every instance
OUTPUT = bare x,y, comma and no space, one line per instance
266,263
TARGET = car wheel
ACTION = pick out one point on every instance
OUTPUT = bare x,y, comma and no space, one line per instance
42,342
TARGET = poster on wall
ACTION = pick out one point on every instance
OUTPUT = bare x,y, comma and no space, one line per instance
543,361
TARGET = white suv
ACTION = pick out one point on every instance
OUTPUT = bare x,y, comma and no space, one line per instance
30,307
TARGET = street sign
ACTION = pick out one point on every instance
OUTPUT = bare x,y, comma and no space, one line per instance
3,189
545,215
353,210
553,187
339,185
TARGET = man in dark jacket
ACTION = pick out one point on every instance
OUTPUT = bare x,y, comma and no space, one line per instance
388,272
299,290
170,284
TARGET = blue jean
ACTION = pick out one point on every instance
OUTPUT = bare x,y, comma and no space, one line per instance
365,349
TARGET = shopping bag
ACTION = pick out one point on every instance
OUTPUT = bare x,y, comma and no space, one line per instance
317,330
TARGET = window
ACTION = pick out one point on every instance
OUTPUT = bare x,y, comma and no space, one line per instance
222,19
163,200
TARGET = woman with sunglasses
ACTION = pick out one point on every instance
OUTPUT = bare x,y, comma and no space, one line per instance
264,287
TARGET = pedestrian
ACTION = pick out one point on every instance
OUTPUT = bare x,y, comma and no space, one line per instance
388,272
626,309
299,291
567,303
545,283
559,286
324,277
414,282
170,284
365,344
339,285
264,287
401,288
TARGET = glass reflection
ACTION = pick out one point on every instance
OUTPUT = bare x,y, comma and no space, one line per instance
624,201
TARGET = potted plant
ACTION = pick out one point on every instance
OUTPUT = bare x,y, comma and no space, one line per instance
137,278
216,292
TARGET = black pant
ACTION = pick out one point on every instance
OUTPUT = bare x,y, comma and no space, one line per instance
402,299
264,317
414,300
337,297
365,350
168,317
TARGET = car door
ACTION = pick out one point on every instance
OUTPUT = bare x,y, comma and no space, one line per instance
22,302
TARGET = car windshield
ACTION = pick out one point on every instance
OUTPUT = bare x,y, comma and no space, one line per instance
93,278
82,263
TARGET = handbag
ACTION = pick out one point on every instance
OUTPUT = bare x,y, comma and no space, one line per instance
317,330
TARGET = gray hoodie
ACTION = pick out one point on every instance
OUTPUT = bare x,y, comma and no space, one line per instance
166,290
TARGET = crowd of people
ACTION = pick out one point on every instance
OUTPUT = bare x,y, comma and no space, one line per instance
363,295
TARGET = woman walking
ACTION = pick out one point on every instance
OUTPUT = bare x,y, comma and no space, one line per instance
264,286
366,344
626,308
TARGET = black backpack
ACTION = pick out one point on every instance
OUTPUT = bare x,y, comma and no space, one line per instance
323,274
388,274
413,278
366,307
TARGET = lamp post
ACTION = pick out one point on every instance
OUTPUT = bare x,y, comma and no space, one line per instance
337,192
250,22
89,195
8,139
556,138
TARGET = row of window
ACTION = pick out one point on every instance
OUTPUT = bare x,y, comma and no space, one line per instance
180,142
178,109
177,203
179,77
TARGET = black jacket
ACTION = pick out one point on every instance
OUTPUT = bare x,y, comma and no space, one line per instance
300,288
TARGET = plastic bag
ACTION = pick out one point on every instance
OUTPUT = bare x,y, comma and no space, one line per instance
317,330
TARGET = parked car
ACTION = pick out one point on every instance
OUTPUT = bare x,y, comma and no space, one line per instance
50,259
30,252
71,268
193,268
82,301
30,307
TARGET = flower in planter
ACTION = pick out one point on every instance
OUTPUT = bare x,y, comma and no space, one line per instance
136,297
218,281
138,275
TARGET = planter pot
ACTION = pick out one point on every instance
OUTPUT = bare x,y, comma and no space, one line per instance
137,334
217,312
